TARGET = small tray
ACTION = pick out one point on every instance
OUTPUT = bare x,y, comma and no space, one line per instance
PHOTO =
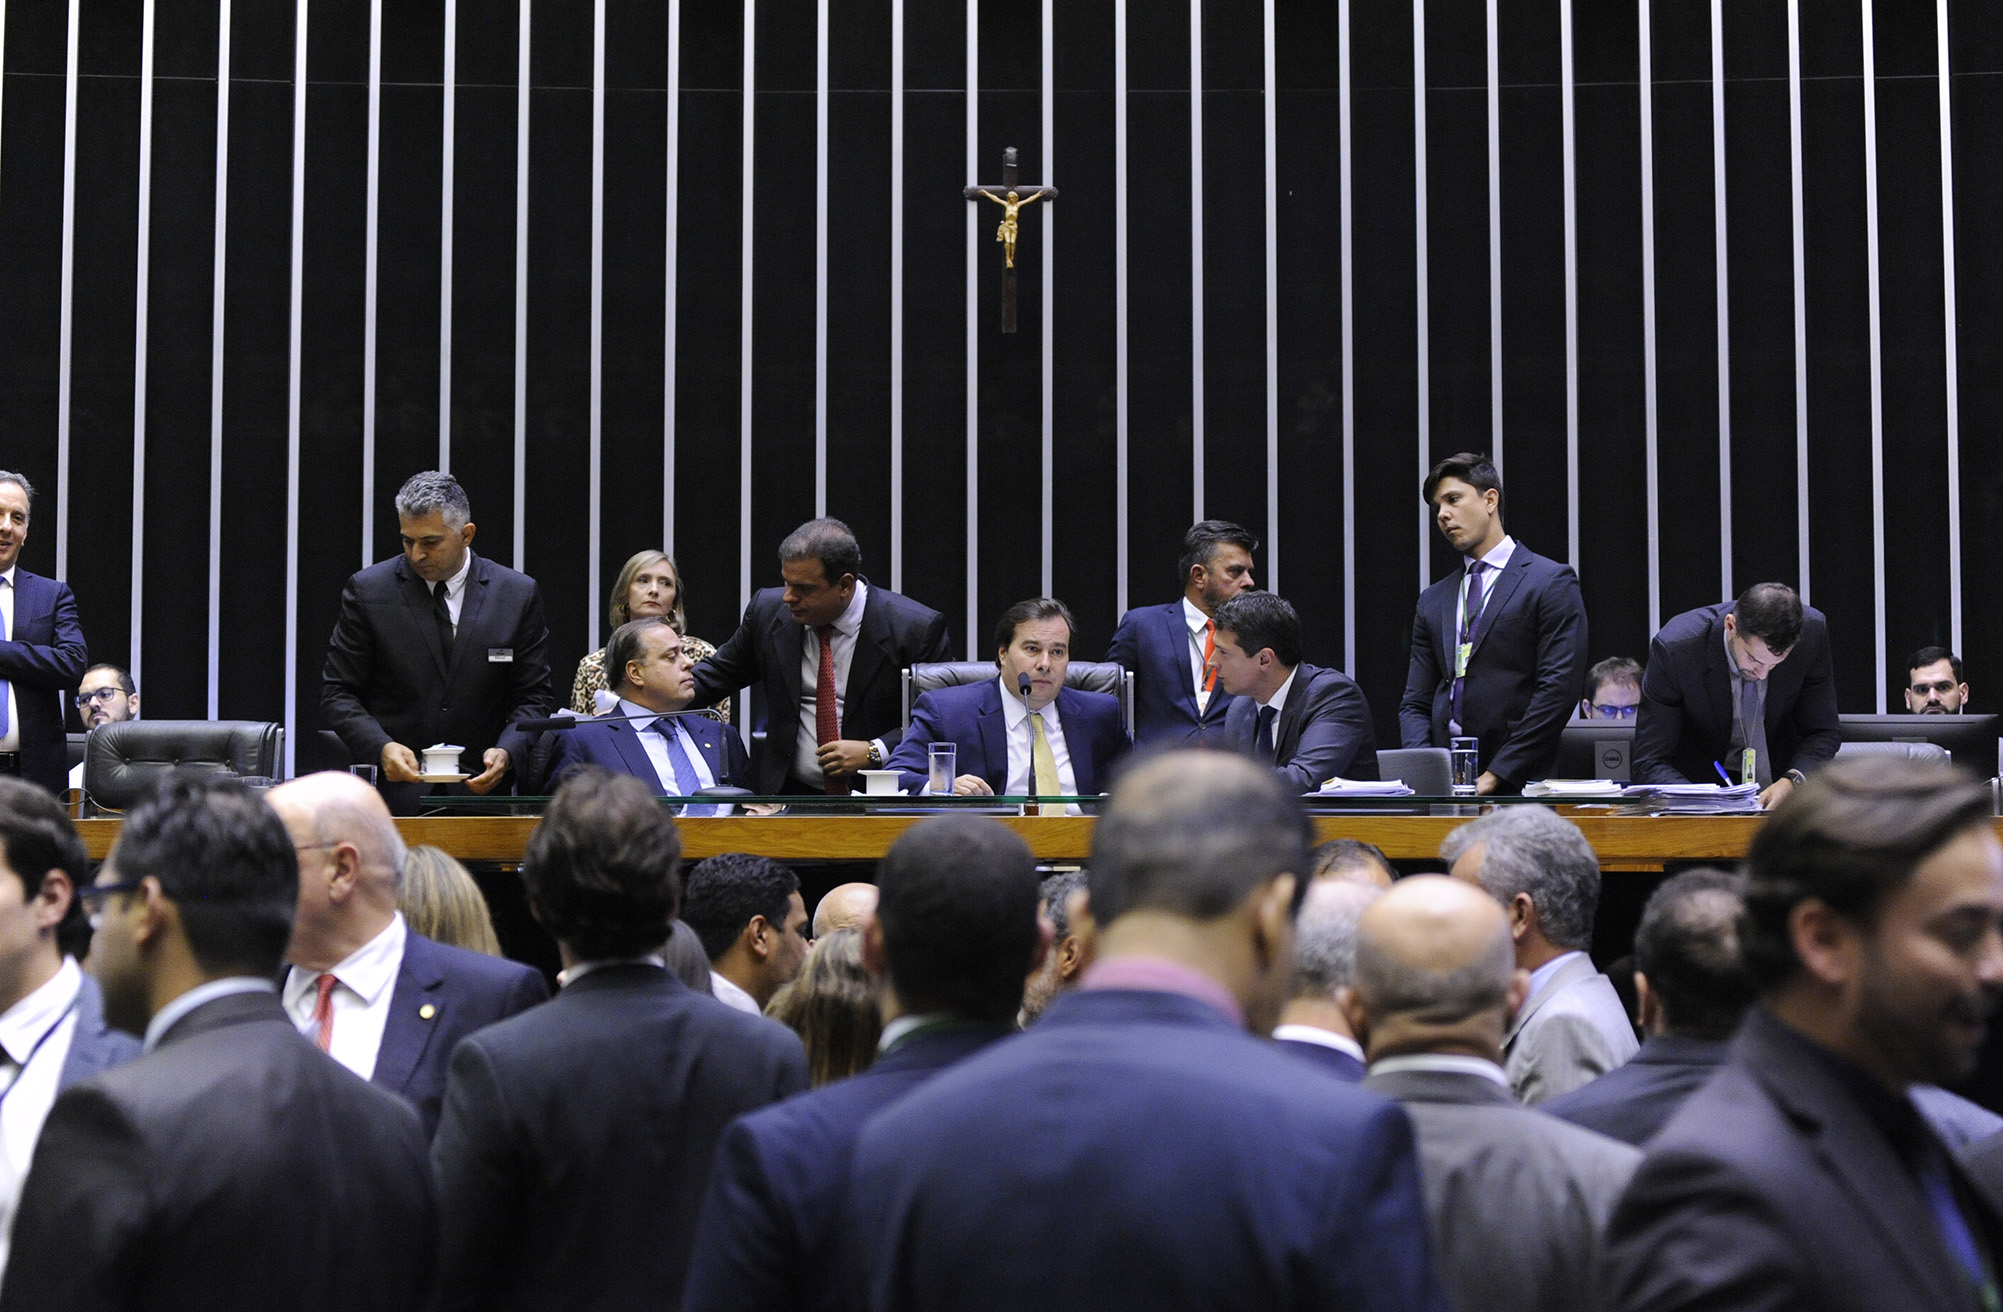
445,778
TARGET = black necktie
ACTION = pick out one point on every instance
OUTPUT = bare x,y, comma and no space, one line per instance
443,616
1263,744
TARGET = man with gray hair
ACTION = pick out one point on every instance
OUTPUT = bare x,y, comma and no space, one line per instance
1572,1027
1518,1200
42,652
438,645
1064,900
1313,1025
374,994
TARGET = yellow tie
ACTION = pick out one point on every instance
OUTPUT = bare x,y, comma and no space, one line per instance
1041,763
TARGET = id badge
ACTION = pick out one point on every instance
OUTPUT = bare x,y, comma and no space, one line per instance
500,654
1749,767
1462,655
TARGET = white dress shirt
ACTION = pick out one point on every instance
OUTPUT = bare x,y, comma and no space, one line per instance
732,996
657,747
455,589
1317,1035
1542,975
11,740
806,761
366,980
1449,1062
1021,769
46,1017
1278,701
1196,621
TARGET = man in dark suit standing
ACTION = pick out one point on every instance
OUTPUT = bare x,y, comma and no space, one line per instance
1313,1026
437,646
42,654
1499,645
827,652
954,934
1802,1175
233,1166
1052,741
380,998
1140,1107
1171,649
651,671
577,1136
1310,724
1753,675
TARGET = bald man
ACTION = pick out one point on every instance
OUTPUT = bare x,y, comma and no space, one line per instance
845,906
1518,1200
380,998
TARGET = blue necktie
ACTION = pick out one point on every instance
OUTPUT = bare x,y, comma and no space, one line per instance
686,779
1954,1228
6,725
1263,744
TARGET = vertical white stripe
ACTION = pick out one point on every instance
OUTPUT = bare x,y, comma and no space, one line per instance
744,315
294,344
1196,257
1800,296
973,544
896,295
821,262
522,286
1120,306
1723,268
69,281
1049,222
217,286
369,272
145,261
1950,335
445,179
1568,88
1423,292
595,514
1648,369
1494,237
1272,302
1348,363
1877,345
671,255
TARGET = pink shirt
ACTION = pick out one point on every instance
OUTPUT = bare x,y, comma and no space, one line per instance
1159,975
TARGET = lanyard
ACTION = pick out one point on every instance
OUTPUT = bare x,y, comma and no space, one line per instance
1464,651
22,1074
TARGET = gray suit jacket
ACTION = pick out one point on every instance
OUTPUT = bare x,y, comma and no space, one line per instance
1572,1031
1518,1201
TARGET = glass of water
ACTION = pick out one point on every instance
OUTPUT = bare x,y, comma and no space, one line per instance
943,760
1464,756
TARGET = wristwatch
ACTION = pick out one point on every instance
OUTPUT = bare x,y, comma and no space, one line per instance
1797,776
875,755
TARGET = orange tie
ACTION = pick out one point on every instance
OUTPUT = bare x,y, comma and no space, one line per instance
323,1012
827,727
1209,655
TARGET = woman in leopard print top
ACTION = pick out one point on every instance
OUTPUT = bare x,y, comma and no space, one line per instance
648,585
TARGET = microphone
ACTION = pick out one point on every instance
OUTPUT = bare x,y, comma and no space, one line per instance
1022,685
570,720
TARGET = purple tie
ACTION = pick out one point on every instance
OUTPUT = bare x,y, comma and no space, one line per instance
1472,612
6,725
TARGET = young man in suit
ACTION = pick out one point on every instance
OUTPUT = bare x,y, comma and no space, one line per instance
577,1136
1752,675
233,1165
1313,1026
380,998
437,646
1518,1201
1802,1175
1052,741
1308,723
827,653
42,654
1499,645
1572,1028
954,934
752,921
1171,650
1141,1107
651,672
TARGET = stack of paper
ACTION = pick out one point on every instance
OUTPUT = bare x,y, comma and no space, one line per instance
1339,787
1573,788
1698,798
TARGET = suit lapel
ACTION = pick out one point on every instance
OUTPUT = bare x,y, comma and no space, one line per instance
413,1015
992,726
1175,622
1505,588
472,601
1287,733
1718,679
708,736
417,596
872,646
787,642
626,742
1077,742
1573,970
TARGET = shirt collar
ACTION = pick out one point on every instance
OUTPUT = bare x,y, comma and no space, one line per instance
850,619
8,573
1159,975
1542,975
457,583
366,971
1193,617
896,1031
24,1023
566,978
640,722
1445,1063
1014,711
1498,555
728,993
1320,1037
1278,701
166,1018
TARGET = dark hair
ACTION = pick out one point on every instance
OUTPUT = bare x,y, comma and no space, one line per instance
1477,471
1348,853
1200,544
1688,947
957,902
1849,837
1930,656
1615,670
624,646
1053,897
1260,620
1194,834
727,890
36,836
601,869
131,689
828,541
1023,612
831,1004
1770,612
226,862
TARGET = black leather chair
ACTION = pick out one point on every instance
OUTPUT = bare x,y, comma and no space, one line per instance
1088,676
125,763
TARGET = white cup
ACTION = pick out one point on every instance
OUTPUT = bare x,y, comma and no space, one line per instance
442,758
880,783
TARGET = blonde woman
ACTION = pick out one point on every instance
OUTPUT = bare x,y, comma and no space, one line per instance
648,585
439,899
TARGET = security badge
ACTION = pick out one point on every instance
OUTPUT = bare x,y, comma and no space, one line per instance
1462,654
500,654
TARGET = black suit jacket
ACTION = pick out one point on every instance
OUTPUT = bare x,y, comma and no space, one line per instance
234,1166
766,650
1684,724
577,1137
1634,1100
44,657
1323,730
387,680
1525,678
1775,1188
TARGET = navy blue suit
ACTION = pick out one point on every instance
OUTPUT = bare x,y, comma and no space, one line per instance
1095,734
1153,643
95,1047
1139,1150
44,657
1323,730
1524,679
1634,1100
770,1235
1333,1060
615,744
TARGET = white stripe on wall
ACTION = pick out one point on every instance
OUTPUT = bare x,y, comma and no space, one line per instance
1272,302
218,279
369,272
143,276
973,543
1196,258
294,346
1723,270
1800,296
1648,363
673,212
1950,332
896,295
445,178
1049,224
821,261
69,280
595,513
522,287
744,313
1120,571
1494,237
1877,345
1567,98
1348,363
1423,293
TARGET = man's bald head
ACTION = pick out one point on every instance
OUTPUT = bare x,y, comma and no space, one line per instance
350,862
340,808
845,906
1434,952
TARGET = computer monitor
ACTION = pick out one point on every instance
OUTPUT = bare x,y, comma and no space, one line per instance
1969,739
1596,749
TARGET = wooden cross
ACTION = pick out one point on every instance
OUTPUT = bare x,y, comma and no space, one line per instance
1012,199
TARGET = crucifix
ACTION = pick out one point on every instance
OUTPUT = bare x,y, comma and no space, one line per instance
1012,199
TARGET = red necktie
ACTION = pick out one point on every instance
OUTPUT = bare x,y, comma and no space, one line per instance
323,1012
827,722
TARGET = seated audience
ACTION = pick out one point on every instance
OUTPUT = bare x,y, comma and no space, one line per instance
577,1137
439,900
1138,1147
1572,1027
107,695
1308,723
1062,900
233,1165
954,935
832,1007
1313,1025
1801,1175
1934,684
649,584
1613,690
845,906
1518,1201
1349,858
674,755
748,913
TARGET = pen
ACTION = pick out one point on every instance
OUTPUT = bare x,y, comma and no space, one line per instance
1720,768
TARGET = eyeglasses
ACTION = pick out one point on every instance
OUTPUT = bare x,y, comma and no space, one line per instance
1613,712
85,699
94,896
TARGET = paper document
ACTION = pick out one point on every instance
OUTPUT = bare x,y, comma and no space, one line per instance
1340,787
1572,788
